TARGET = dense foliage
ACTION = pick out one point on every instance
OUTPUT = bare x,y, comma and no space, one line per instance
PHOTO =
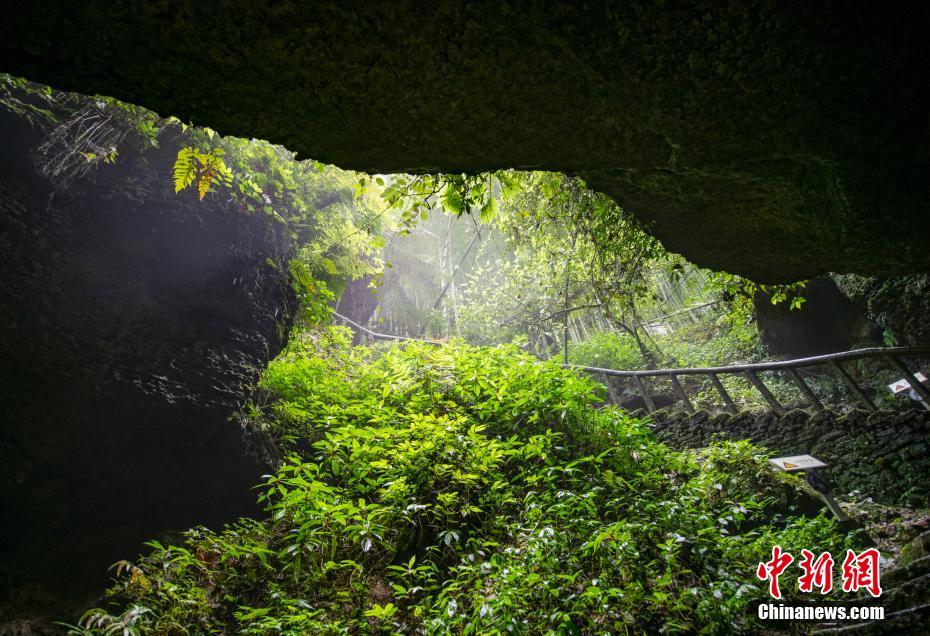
723,334
457,489
335,233
566,246
550,261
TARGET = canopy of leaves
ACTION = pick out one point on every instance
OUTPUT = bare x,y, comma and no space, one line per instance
568,252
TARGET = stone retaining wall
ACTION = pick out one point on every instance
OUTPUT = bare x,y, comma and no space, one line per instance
883,455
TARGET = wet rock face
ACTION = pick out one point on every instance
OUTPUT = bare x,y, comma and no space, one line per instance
773,139
132,322
357,302
828,322
898,305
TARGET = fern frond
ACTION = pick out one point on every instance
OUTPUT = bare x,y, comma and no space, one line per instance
185,168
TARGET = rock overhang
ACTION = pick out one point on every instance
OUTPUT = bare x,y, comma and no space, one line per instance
768,139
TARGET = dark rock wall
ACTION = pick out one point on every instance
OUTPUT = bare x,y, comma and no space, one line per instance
883,455
827,322
900,305
132,323
778,140
357,302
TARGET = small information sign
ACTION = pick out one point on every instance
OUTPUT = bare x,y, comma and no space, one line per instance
903,385
797,462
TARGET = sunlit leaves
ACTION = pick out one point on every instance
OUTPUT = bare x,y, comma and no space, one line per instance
463,490
452,199
206,169
185,168
489,210
414,197
335,232
382,612
744,290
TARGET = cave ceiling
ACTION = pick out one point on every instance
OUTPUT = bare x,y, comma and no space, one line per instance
772,139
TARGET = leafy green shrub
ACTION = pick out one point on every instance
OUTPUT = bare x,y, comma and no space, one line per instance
608,350
716,339
466,490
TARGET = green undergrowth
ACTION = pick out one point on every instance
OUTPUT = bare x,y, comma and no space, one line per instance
715,339
469,490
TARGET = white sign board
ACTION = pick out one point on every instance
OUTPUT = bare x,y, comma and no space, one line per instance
796,462
903,385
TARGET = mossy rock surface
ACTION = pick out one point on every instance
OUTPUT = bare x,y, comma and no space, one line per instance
883,455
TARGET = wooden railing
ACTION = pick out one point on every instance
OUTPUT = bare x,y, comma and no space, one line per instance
374,335
892,356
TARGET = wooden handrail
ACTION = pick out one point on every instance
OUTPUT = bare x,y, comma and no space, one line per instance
766,366
891,355
383,336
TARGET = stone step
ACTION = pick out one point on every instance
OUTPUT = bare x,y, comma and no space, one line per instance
916,549
907,594
914,621
913,570
906,597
